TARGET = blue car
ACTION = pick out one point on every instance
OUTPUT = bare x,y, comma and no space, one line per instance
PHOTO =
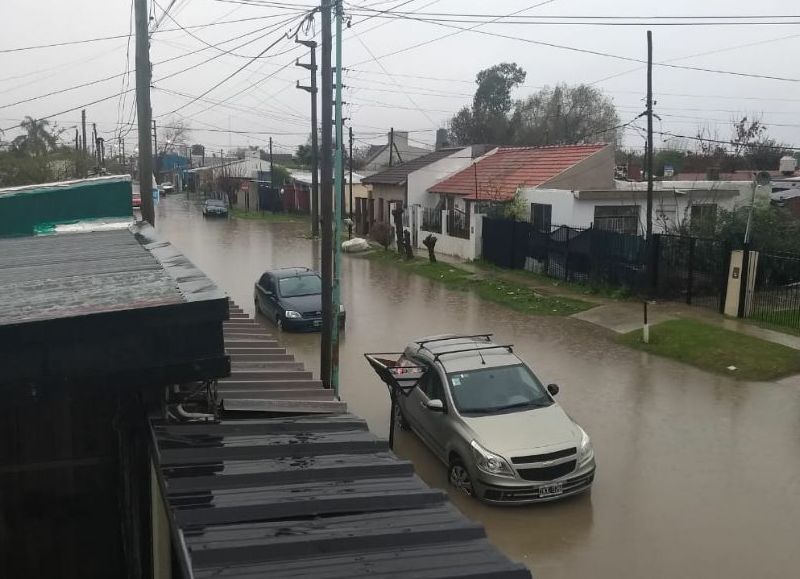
292,298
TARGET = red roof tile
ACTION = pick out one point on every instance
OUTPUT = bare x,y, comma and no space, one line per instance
501,172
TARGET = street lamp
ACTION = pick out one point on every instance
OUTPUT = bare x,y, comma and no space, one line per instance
761,178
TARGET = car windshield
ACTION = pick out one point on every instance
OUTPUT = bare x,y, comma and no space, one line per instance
503,389
215,203
301,285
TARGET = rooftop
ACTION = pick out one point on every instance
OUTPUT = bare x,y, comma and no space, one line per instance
498,175
398,174
311,497
78,307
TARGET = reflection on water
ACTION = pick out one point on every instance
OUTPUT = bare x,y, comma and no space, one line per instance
697,476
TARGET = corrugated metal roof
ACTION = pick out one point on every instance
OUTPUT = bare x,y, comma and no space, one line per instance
398,174
497,175
311,497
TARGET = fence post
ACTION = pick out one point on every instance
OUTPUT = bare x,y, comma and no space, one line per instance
690,276
566,257
724,285
654,250
513,262
743,280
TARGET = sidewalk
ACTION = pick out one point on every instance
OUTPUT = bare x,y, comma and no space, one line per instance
626,315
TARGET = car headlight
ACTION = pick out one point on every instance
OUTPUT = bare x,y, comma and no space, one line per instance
585,450
489,462
292,315
341,308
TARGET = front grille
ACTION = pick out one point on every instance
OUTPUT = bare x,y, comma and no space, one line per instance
532,493
312,315
544,457
548,472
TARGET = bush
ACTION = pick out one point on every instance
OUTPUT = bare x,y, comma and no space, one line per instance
381,233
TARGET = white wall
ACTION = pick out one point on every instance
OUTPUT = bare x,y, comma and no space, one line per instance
420,180
455,246
574,209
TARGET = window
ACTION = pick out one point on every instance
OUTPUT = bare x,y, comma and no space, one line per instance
619,218
704,215
431,385
301,285
540,216
502,389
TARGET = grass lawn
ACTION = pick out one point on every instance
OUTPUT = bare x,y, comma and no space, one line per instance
715,349
576,287
266,216
509,294
785,321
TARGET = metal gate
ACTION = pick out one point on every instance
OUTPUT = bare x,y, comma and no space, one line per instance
776,295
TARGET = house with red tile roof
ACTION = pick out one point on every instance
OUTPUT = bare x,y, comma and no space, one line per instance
498,175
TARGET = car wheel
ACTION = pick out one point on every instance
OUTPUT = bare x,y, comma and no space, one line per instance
458,476
400,420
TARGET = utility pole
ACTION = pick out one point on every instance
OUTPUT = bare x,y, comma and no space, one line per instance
326,174
649,134
85,163
337,222
391,145
350,227
143,111
95,151
271,168
312,45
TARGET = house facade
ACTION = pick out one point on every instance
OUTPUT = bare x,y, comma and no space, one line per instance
496,178
396,151
406,185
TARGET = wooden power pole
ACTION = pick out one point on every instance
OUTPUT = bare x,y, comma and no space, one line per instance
651,245
143,111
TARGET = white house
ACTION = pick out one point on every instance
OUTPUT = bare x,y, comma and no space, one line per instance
624,208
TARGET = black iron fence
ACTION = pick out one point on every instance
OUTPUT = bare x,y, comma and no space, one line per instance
776,293
432,219
690,269
458,223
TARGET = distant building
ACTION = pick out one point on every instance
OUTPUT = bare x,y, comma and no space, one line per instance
395,152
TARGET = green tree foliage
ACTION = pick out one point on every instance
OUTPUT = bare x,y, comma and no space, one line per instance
487,121
563,115
772,229
29,158
516,209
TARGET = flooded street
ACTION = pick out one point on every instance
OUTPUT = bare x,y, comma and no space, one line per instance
698,475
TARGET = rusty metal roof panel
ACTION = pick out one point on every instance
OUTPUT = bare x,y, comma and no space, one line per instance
310,496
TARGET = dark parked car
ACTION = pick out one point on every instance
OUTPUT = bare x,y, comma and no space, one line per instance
292,298
212,207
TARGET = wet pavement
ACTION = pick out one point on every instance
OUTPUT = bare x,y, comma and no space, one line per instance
698,475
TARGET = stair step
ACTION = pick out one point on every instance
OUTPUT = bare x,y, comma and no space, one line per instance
253,350
250,343
285,406
294,394
235,358
266,365
247,335
263,385
256,374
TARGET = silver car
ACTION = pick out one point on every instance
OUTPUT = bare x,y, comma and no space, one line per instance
486,415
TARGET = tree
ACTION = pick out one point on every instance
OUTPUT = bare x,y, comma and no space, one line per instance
565,115
487,121
37,140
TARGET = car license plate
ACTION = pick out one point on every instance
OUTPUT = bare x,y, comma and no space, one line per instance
551,490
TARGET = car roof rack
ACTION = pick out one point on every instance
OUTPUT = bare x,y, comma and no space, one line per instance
422,343
509,347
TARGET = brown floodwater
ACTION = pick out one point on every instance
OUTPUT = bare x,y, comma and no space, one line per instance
698,475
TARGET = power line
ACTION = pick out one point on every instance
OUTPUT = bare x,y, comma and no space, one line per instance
571,49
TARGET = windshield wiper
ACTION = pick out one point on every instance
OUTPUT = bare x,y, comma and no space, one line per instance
529,404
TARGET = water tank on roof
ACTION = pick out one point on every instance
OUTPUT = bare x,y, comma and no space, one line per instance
788,165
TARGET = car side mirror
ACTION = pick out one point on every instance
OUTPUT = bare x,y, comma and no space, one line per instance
435,405
552,389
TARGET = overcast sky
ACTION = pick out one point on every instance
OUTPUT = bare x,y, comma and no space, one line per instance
416,90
